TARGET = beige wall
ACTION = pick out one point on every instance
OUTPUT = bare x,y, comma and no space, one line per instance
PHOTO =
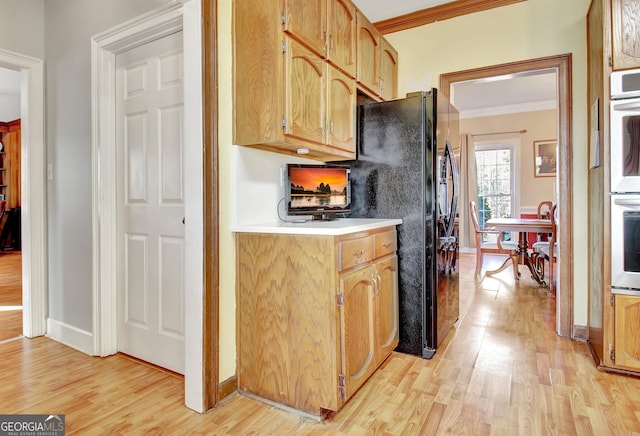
539,125
526,30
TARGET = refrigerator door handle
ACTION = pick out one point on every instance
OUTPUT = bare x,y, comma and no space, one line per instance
449,159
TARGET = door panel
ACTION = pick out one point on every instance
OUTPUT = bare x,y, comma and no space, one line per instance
627,342
306,96
342,35
368,61
306,21
341,103
150,202
387,306
358,328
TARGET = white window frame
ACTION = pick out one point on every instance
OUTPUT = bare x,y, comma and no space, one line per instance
513,145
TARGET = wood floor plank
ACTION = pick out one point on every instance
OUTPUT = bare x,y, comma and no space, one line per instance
501,371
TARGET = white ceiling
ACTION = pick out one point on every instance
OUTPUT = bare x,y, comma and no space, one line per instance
506,94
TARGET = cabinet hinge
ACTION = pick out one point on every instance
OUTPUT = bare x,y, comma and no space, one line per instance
283,18
340,297
612,354
610,61
342,387
284,46
284,123
612,300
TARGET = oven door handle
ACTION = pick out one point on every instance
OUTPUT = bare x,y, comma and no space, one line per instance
627,201
627,106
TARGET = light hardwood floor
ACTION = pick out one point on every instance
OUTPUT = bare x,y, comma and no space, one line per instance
503,371
10,294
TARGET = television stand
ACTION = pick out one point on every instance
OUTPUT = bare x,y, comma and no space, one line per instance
325,217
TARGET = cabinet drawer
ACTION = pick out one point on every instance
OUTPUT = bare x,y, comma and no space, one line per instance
354,252
385,243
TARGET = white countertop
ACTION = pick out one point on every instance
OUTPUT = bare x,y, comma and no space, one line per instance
341,226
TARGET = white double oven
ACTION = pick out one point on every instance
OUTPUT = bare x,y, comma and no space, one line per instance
625,182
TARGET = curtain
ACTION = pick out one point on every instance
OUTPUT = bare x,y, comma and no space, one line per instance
468,190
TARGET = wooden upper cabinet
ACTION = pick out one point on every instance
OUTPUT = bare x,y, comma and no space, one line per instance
341,37
305,20
377,62
341,122
305,80
294,70
388,70
626,33
368,55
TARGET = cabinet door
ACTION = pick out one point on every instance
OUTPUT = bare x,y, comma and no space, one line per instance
305,94
386,300
306,21
388,70
626,33
368,54
342,35
627,339
357,327
341,104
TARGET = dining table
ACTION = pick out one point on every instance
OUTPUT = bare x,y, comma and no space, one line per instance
523,226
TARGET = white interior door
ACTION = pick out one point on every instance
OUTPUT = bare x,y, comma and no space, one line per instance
150,202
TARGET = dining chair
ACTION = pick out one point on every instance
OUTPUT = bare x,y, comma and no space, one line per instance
544,212
542,250
498,246
544,209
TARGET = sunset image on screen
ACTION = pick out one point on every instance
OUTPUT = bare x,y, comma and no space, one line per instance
311,178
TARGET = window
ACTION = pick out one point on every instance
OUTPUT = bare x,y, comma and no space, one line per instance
495,169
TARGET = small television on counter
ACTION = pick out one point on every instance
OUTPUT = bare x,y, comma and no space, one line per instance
319,192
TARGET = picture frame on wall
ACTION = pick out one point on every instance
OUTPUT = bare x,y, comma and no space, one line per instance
545,157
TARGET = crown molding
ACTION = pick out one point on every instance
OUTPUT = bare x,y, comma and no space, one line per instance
439,13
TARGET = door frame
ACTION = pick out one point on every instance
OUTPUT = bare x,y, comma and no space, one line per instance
33,206
564,181
170,18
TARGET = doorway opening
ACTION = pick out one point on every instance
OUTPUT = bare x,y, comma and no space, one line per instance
201,372
10,202
32,221
561,64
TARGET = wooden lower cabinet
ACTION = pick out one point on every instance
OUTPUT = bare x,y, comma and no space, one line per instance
627,340
317,315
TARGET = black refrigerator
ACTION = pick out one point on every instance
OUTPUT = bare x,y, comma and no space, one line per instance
406,169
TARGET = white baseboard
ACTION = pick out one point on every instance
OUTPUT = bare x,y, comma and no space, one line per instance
70,336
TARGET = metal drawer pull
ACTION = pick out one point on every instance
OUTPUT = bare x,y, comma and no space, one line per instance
386,244
359,253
